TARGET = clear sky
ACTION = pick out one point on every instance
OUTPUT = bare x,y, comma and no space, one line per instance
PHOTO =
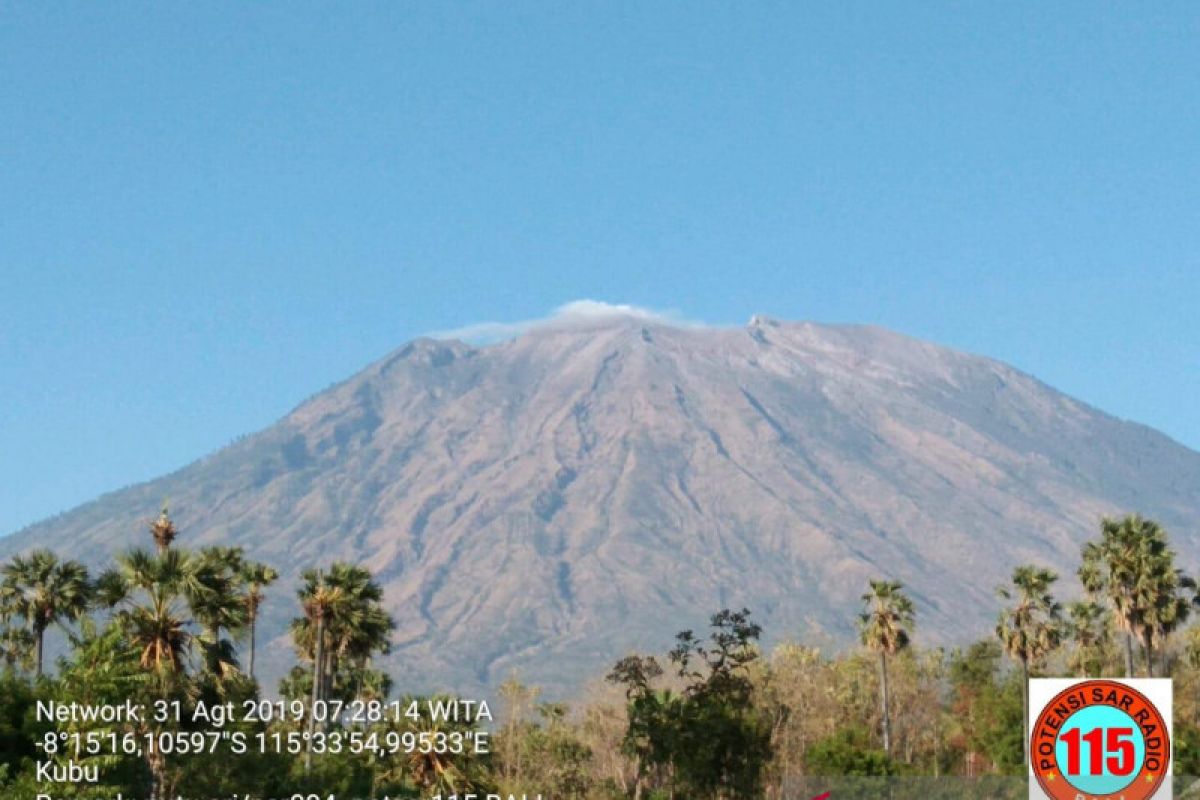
209,211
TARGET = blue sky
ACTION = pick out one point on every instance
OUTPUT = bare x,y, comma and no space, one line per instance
211,211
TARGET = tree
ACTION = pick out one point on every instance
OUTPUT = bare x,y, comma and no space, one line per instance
1166,595
1088,628
102,670
161,599
359,629
215,596
343,625
987,707
713,739
519,701
20,729
256,577
884,629
344,618
562,758
647,736
16,647
797,688
1031,628
319,601
441,772
722,738
43,591
149,594
1133,568
847,753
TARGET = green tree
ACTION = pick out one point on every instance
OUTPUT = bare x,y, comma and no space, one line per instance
16,647
1087,627
1166,595
884,628
722,738
19,731
155,599
43,591
215,595
344,619
320,602
648,737
1186,741
102,669
1031,628
562,759
987,706
149,596
1132,567
344,624
713,739
847,753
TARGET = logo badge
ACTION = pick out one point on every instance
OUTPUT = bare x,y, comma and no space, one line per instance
1100,738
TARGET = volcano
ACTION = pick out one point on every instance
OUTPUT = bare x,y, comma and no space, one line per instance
548,503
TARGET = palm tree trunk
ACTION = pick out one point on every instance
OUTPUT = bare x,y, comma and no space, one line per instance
157,763
41,640
216,653
328,673
253,620
887,714
1148,650
1025,708
1128,654
318,664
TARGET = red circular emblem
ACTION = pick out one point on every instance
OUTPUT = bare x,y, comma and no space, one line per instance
1100,739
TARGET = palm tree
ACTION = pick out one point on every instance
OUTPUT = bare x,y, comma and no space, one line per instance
1030,629
1166,595
213,591
884,628
44,591
150,595
319,601
256,577
363,627
348,603
343,622
1132,567
1087,627
168,604
16,648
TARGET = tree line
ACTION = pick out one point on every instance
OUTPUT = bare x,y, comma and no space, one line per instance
714,717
